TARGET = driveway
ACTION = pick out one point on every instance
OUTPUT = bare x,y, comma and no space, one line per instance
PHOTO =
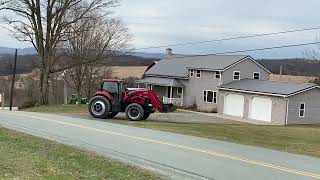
172,155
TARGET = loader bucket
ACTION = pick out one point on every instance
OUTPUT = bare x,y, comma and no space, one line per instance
169,108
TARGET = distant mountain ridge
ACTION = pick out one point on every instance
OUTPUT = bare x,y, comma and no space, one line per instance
21,51
31,51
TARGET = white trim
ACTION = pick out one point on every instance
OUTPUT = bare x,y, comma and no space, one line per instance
252,92
257,73
215,74
214,96
304,110
234,75
171,94
178,90
196,74
268,94
287,114
304,90
181,97
191,72
245,58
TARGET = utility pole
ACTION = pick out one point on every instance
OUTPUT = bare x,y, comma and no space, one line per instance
13,78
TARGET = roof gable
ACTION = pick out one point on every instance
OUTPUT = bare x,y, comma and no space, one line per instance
178,66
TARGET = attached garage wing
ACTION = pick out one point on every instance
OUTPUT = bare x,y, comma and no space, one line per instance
233,105
261,108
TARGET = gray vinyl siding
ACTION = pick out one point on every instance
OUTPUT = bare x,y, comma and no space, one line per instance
194,87
246,68
312,113
279,106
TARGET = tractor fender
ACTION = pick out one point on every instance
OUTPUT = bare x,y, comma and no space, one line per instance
105,94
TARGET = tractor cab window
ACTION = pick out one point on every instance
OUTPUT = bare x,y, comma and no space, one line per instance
113,88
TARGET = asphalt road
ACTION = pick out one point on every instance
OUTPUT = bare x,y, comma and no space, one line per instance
173,156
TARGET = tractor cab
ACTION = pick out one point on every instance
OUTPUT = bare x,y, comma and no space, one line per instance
113,87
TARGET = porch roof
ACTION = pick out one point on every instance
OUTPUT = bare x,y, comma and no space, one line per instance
161,81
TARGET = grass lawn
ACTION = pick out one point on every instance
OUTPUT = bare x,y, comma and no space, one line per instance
26,157
68,108
304,139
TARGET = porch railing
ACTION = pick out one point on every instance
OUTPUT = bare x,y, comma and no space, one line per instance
175,101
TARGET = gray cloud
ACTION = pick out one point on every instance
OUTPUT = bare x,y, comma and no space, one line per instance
175,21
154,22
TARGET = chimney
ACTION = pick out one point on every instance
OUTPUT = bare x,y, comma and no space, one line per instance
169,52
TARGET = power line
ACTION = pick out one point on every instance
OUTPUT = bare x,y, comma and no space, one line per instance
268,48
228,39
249,50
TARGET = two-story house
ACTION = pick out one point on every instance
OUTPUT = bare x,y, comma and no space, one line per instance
235,85
194,80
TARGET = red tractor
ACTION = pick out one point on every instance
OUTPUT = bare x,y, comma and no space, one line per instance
137,103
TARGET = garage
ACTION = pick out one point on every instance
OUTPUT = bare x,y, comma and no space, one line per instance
261,108
233,105
271,102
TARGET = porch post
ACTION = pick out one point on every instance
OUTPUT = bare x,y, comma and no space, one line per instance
171,95
181,98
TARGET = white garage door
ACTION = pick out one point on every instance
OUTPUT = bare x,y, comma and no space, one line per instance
233,105
261,108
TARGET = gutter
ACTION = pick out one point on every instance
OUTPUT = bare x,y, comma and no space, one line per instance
253,92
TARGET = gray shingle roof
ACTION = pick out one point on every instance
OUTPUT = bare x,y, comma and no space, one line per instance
177,67
270,87
161,81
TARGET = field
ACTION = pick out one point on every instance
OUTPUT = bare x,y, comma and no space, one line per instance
298,79
127,71
27,157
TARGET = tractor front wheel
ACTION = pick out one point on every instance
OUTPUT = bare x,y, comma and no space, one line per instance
100,107
135,112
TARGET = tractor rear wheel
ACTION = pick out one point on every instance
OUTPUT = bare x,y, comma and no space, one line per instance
135,112
100,107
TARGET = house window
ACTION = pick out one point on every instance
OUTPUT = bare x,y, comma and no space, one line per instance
191,72
198,73
217,75
210,96
179,90
256,75
236,75
302,109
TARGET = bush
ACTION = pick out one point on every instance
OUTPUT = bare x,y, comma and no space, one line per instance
28,104
316,81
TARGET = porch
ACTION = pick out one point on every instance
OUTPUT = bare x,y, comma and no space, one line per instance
169,90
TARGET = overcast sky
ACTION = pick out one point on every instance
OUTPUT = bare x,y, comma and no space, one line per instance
155,22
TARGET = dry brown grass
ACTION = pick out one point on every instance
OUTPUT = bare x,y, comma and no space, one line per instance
122,72
298,79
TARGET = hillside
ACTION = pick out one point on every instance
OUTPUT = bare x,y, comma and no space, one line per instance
296,67
26,63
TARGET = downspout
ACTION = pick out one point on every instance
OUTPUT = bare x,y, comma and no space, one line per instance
287,111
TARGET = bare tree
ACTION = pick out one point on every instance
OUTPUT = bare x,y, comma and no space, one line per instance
44,24
88,43
314,55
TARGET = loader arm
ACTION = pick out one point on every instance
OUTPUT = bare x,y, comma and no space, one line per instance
158,104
